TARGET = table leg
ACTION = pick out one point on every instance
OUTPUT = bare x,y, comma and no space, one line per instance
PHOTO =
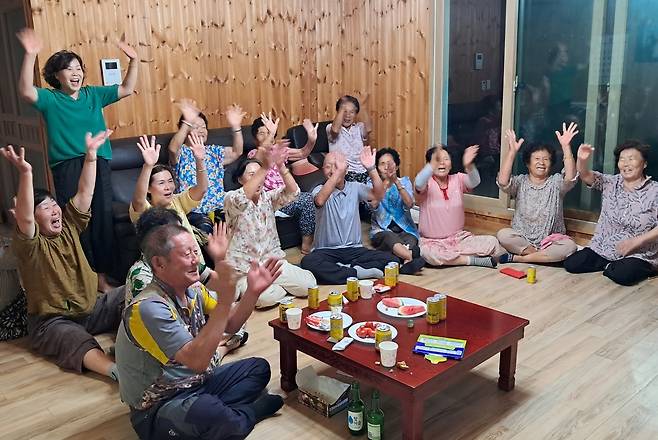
412,424
507,368
288,364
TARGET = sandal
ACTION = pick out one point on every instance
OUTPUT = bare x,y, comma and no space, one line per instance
236,340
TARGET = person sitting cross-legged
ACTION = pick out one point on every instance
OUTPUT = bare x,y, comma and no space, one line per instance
64,310
440,195
252,224
338,248
538,233
166,347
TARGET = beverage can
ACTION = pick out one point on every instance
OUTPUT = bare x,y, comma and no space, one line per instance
532,275
313,297
382,333
390,277
433,315
352,288
443,306
335,302
396,265
336,326
285,304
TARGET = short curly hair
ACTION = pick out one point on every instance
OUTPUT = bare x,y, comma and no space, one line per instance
533,148
348,98
394,154
632,144
57,62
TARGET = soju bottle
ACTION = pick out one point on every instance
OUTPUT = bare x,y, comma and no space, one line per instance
375,419
355,411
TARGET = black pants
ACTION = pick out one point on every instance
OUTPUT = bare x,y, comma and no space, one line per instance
322,262
626,271
97,238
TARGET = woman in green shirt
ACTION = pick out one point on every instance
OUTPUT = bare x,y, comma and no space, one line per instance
70,110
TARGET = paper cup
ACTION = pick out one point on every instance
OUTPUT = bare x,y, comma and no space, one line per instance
388,351
365,288
294,317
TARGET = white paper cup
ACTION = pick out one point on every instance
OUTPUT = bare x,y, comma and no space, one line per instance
365,288
388,351
294,317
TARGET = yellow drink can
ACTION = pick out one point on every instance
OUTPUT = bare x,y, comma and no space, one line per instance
335,301
313,298
352,285
433,315
284,305
532,275
390,277
336,326
443,306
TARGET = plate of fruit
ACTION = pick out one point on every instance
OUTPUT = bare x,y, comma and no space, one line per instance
402,307
320,321
365,331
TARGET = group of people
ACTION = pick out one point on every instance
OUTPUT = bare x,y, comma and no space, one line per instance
210,257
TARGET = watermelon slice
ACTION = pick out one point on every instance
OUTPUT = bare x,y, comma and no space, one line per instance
411,310
392,302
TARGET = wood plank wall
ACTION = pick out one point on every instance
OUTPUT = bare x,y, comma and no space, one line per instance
293,57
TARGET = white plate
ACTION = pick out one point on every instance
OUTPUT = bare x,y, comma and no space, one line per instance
393,311
352,332
347,320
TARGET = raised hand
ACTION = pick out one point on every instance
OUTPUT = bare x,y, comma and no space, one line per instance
218,242
197,146
514,145
311,130
585,151
30,40
126,48
150,151
16,159
271,124
469,156
234,115
278,154
341,164
227,278
261,276
95,142
567,134
189,110
368,157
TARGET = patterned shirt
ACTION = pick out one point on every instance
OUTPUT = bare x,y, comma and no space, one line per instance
253,226
155,326
393,209
186,174
350,142
139,276
625,214
538,211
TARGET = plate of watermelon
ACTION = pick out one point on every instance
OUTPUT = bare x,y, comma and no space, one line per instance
320,321
402,307
365,331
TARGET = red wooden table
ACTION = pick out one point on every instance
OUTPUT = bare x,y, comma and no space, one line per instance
487,332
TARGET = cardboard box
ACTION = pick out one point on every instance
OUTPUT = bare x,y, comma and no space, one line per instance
324,408
323,394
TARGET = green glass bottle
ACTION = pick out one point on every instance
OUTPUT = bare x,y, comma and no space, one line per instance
356,411
375,419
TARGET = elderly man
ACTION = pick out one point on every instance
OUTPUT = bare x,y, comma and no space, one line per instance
338,248
63,307
167,350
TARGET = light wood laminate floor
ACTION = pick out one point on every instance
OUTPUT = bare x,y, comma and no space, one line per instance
587,369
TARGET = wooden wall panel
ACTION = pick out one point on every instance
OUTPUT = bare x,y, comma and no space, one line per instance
293,57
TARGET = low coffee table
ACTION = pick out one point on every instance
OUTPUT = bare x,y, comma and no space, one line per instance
486,331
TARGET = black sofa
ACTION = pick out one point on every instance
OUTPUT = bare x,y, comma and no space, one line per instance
126,165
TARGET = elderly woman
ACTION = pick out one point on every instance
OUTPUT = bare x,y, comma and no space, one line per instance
440,195
250,217
302,209
393,229
625,243
538,233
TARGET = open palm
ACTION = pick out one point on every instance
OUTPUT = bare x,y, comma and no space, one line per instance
261,276
514,145
234,115
567,134
150,150
197,146
95,142
585,151
30,40
16,159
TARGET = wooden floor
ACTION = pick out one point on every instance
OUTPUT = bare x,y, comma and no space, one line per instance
587,369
